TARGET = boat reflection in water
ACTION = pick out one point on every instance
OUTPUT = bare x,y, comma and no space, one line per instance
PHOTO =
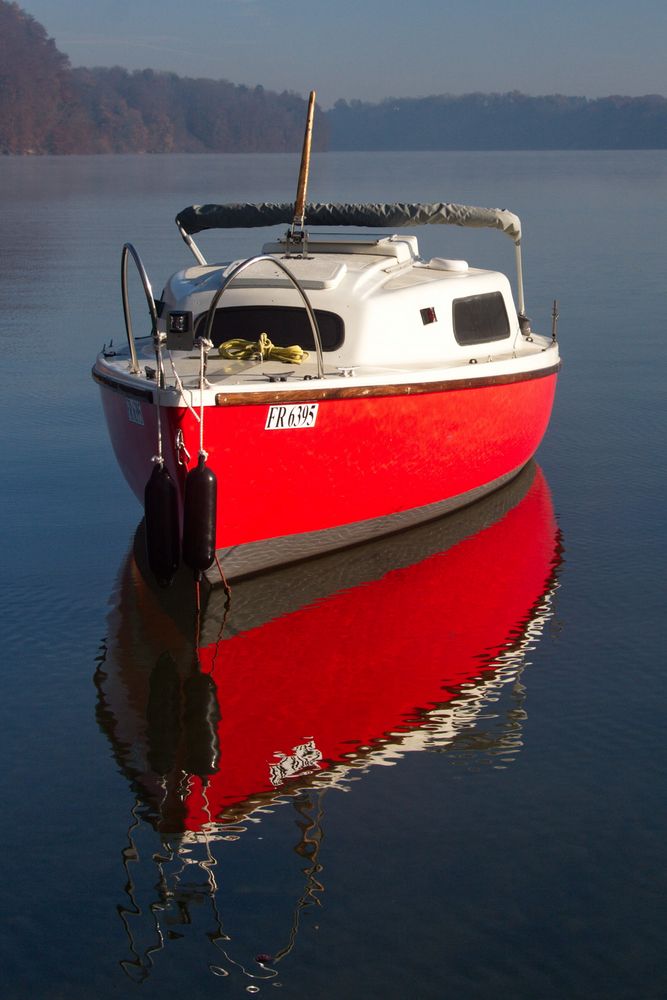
305,679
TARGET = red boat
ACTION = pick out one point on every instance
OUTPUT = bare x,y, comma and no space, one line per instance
351,659
330,389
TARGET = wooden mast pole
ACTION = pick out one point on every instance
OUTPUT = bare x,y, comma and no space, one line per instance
300,204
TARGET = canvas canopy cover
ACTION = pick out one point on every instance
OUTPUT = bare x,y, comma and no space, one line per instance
198,218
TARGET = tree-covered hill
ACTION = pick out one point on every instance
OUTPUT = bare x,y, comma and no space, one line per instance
48,107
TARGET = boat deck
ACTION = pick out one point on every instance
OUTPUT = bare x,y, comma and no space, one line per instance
182,369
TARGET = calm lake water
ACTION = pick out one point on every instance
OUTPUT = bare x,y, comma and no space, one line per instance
488,816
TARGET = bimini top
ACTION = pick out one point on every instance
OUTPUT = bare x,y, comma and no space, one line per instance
244,216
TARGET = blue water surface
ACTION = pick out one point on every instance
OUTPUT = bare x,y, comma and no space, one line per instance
518,853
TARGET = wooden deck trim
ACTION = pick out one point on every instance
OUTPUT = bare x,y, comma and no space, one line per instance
273,396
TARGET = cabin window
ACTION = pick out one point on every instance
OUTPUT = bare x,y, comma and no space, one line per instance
479,319
283,325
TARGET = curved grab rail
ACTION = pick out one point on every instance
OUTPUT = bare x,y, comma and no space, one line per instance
309,309
128,249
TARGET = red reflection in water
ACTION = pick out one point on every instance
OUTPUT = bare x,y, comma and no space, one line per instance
312,676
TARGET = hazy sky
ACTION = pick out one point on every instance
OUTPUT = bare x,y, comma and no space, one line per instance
376,48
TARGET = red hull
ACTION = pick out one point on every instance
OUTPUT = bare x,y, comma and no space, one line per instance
366,458
351,672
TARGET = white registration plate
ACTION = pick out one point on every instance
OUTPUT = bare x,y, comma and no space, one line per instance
291,416
134,414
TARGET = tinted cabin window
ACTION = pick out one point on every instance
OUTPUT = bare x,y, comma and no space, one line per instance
479,319
283,325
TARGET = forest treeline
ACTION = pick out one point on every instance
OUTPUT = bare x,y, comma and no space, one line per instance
500,121
46,106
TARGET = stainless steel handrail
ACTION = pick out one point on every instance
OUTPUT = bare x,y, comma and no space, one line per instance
309,309
128,249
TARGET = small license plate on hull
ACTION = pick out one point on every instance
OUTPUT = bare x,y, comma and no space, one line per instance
134,414
291,416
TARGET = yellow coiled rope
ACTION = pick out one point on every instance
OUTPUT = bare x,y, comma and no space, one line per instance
238,349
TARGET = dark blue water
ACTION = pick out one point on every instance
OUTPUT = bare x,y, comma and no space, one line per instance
506,836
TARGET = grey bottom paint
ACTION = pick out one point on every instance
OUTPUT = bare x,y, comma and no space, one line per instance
254,557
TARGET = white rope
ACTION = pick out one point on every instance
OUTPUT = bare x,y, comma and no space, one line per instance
181,388
159,459
204,346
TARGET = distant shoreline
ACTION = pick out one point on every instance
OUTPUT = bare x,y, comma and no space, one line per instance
388,151
219,117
